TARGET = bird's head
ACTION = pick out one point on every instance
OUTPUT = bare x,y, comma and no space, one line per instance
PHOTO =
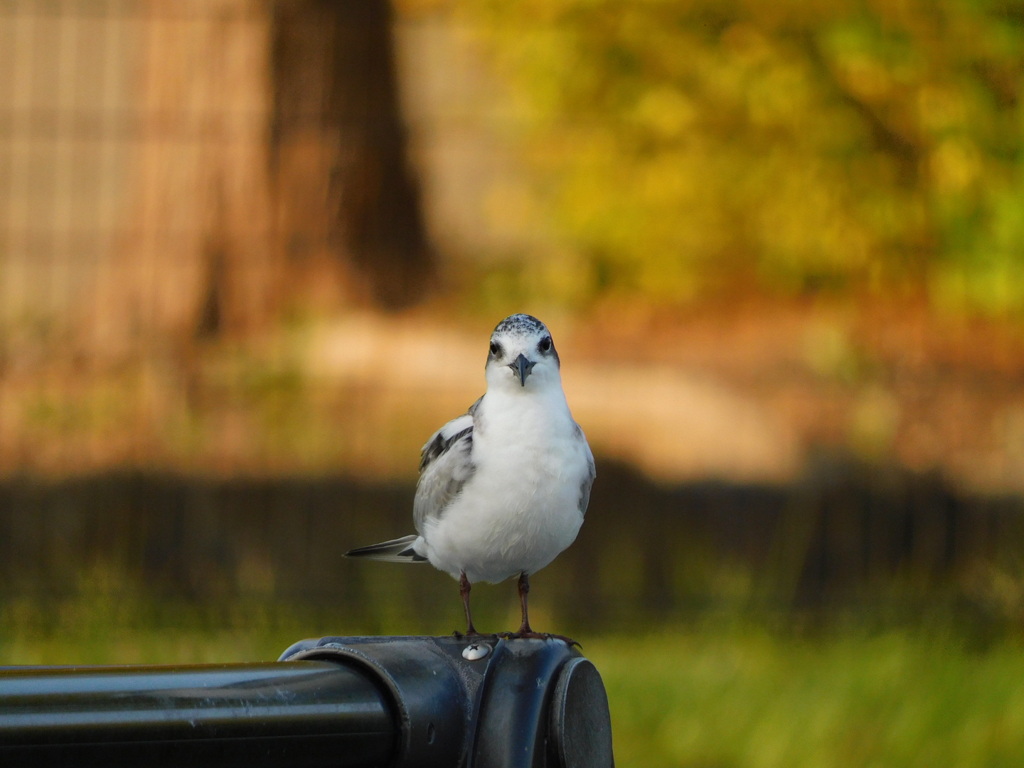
522,354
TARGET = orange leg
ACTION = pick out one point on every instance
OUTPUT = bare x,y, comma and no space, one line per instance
464,589
524,591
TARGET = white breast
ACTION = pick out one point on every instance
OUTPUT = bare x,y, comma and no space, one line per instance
521,507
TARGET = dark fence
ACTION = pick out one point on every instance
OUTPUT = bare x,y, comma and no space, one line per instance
391,701
645,552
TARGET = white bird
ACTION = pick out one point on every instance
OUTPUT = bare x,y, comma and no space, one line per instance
503,488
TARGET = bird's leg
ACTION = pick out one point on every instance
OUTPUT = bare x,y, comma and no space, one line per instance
524,629
524,591
464,589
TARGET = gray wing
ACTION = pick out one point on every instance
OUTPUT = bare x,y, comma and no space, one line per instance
446,463
588,479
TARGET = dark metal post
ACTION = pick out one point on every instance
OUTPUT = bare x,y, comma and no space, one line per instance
260,714
363,701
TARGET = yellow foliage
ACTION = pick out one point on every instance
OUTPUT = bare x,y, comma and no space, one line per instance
841,144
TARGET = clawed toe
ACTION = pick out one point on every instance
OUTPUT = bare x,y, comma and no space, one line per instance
531,635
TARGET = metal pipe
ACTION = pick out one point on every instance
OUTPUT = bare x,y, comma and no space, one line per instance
401,702
307,713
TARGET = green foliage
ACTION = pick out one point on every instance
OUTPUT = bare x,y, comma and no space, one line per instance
685,146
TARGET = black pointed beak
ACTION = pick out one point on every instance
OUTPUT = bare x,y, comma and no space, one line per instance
522,367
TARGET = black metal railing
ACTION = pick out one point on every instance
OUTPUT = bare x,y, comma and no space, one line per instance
355,701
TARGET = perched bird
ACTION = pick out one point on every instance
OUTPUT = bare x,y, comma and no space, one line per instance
503,488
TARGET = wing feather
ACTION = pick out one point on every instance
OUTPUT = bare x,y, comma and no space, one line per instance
401,550
588,480
446,463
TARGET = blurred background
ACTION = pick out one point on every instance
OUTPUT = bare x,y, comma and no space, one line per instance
251,252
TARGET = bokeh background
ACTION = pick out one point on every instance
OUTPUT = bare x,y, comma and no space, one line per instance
251,252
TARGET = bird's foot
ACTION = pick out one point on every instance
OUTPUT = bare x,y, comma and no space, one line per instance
529,634
469,634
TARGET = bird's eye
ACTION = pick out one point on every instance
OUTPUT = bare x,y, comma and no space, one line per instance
545,344
495,349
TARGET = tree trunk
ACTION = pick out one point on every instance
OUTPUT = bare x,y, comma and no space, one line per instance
348,202
269,171
197,254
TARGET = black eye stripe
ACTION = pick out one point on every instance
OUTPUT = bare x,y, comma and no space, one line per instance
495,348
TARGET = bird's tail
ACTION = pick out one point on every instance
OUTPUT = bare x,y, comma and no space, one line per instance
394,551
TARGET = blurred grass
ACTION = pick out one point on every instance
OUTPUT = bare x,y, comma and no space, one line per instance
714,693
759,699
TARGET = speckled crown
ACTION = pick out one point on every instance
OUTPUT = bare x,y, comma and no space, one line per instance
520,324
